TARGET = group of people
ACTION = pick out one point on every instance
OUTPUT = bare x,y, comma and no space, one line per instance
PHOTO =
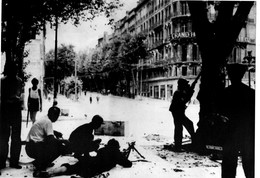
44,144
236,107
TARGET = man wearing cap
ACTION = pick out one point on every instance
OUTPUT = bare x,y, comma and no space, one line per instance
238,105
181,96
82,138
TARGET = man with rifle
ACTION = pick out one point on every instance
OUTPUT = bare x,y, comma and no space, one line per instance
180,98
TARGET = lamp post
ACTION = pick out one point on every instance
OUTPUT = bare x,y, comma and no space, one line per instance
247,60
76,93
55,60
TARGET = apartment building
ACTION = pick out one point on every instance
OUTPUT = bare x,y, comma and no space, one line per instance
172,43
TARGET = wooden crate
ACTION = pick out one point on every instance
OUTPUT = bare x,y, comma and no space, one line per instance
112,128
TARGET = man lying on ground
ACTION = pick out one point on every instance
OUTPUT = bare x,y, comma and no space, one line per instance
107,158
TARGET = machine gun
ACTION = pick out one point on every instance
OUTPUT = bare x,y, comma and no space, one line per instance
131,146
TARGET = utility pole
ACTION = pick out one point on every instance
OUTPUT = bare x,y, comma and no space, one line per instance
55,60
76,93
141,77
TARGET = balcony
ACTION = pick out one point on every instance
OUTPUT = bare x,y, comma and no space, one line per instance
157,44
168,17
179,15
158,24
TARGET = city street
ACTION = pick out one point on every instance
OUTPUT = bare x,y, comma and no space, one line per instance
148,123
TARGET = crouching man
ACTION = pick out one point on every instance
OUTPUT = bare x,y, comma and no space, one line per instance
42,145
82,138
106,159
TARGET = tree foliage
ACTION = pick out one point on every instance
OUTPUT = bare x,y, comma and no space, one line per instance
68,85
19,25
115,61
66,57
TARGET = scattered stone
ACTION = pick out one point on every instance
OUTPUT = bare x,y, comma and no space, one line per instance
178,170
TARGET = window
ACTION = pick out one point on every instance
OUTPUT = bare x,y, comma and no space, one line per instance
234,59
156,91
174,8
169,90
195,52
184,27
184,70
162,91
194,70
184,53
184,8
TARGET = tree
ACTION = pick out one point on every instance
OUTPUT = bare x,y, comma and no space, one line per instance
19,25
66,57
116,60
216,40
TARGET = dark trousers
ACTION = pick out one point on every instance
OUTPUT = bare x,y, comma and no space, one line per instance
80,147
10,125
180,120
44,153
235,143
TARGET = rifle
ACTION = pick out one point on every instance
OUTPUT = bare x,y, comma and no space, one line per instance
192,86
28,113
195,81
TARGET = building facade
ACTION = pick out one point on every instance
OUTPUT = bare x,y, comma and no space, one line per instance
35,59
172,43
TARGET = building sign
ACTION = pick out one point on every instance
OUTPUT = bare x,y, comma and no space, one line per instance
178,35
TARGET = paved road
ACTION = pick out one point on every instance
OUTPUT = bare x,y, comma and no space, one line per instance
149,124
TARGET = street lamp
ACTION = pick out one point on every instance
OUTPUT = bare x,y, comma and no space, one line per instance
55,61
76,93
247,60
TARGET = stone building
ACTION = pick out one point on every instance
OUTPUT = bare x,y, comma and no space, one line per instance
172,43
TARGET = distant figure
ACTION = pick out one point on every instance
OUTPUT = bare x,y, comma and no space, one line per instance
97,97
107,158
34,100
238,105
90,99
55,103
10,116
41,143
82,138
181,96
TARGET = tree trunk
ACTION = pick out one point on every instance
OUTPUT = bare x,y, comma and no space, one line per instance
216,41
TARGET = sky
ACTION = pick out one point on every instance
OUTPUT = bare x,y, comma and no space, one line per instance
84,36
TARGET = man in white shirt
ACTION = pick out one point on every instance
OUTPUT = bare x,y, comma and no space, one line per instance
42,145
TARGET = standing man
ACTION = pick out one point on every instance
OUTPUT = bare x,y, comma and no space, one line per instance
11,116
181,96
238,105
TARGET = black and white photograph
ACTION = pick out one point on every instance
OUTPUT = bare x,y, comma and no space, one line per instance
128,89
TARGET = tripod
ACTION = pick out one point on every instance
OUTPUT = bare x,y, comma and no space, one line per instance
131,146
